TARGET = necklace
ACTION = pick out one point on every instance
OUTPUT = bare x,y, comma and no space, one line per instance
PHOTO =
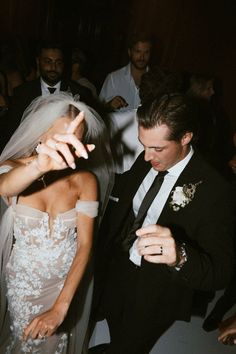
41,179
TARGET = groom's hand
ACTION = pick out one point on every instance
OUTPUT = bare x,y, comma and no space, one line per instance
157,245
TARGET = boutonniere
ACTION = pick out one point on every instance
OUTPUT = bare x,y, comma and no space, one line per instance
181,196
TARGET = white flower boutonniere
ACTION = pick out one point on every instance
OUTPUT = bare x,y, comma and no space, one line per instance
181,196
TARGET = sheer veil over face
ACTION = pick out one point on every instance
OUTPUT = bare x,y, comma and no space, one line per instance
40,116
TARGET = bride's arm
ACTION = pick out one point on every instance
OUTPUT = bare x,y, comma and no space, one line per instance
19,177
47,323
53,154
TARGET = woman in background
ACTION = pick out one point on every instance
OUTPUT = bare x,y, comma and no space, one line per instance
215,133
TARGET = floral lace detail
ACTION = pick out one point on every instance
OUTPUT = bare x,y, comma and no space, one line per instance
39,263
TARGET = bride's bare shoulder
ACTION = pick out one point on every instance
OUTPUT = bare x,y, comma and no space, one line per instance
84,177
86,184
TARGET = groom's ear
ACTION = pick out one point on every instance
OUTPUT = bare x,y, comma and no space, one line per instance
186,138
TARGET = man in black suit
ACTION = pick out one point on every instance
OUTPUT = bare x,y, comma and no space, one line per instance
52,79
183,242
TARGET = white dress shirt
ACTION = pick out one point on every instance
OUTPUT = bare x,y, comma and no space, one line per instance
121,83
44,88
159,201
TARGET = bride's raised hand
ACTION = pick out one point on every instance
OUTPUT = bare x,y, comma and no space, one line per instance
56,152
73,135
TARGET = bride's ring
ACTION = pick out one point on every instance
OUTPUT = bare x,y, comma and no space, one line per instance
56,146
41,336
37,149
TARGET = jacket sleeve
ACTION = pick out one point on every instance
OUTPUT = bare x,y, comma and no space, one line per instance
210,254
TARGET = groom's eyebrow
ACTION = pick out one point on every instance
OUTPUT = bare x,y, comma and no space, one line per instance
152,147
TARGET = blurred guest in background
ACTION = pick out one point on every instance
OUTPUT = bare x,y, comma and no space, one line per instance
52,79
79,71
215,135
120,90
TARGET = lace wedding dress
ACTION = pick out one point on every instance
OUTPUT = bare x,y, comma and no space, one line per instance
35,273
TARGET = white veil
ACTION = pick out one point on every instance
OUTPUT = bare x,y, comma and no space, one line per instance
36,120
39,117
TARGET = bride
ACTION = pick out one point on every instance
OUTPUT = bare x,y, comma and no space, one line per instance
47,230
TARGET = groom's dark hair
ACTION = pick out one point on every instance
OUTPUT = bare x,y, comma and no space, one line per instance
174,110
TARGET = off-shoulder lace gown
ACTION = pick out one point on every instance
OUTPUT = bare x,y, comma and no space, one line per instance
40,260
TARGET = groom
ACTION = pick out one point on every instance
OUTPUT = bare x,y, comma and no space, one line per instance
184,241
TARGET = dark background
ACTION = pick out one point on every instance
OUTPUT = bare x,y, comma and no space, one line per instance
190,35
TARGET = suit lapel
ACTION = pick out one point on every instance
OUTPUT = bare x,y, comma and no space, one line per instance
136,176
36,90
64,86
133,181
191,174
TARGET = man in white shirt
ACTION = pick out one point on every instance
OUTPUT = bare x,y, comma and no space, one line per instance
120,90
164,241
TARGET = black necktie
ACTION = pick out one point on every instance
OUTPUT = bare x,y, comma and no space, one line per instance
51,89
143,209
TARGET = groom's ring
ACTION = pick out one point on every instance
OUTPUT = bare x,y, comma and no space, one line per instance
41,336
161,250
159,253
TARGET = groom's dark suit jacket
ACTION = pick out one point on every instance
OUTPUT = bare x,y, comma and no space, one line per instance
205,225
26,93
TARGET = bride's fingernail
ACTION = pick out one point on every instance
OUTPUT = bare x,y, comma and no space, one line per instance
84,154
73,166
91,147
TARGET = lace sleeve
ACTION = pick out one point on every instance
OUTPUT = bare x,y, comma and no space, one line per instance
87,207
